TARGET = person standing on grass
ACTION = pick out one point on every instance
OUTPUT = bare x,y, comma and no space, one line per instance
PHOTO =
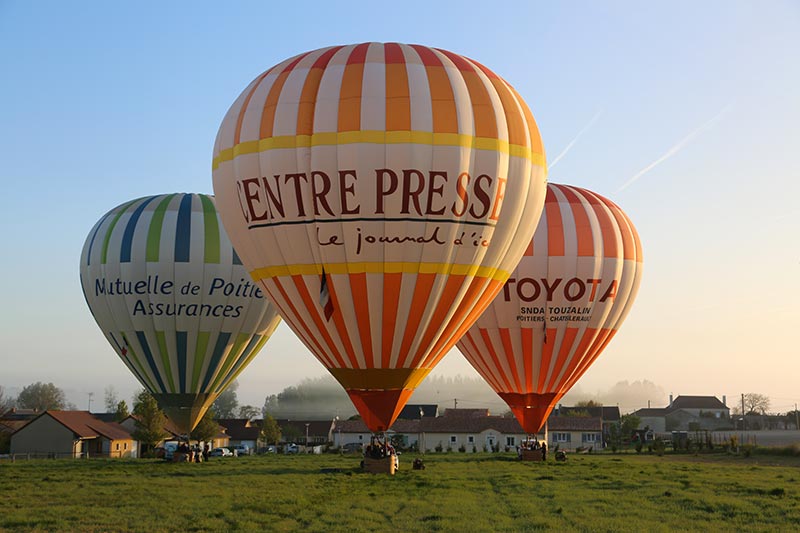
544,451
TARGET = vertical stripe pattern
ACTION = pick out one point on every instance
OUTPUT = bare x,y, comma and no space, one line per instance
305,145
171,295
564,302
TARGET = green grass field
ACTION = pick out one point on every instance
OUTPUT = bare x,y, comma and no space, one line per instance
456,492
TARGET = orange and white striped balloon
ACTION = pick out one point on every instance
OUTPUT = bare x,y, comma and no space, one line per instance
562,305
381,194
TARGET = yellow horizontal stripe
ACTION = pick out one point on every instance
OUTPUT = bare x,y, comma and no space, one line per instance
378,137
380,268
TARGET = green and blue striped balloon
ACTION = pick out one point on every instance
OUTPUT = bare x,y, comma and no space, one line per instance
171,296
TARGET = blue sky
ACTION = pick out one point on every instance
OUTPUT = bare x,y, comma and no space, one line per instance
104,102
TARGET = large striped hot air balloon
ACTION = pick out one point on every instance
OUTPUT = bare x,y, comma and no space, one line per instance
381,194
561,306
172,297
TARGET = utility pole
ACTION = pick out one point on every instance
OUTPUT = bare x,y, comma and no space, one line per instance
455,403
744,420
796,417
90,401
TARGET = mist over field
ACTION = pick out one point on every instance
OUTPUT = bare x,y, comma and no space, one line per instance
324,398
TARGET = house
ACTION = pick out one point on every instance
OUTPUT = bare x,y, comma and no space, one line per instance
685,413
72,434
654,418
471,430
311,432
573,432
608,415
241,431
467,429
356,432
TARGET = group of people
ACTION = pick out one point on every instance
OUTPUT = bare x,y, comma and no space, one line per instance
192,454
377,448
533,445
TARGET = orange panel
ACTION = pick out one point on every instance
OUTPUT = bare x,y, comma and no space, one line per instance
584,345
391,297
310,304
358,287
531,410
508,348
583,228
498,368
555,226
379,408
608,225
341,327
238,133
445,304
563,353
419,302
398,99
527,356
350,93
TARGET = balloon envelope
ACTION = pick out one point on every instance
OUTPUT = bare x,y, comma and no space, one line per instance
167,289
381,194
562,305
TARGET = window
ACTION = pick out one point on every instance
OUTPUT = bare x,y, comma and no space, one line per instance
117,445
590,437
511,441
471,439
561,437
125,446
361,437
453,439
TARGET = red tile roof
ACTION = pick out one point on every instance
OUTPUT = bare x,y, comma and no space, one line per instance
83,424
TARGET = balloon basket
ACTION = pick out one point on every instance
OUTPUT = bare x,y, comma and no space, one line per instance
383,465
531,455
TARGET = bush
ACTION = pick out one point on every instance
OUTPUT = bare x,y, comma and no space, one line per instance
439,447
462,448
639,447
659,447
474,449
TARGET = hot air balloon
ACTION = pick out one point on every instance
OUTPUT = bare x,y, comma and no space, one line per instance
381,194
170,294
562,305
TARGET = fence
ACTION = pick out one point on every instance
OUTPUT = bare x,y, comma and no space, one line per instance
28,456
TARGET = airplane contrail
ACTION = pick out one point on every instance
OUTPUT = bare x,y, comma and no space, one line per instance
578,136
675,149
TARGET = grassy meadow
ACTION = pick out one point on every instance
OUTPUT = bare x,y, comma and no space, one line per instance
456,492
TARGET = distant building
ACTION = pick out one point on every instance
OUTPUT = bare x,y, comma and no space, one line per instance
72,434
686,412
474,430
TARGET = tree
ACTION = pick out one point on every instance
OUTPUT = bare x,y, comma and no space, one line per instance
270,430
588,403
42,396
628,424
248,411
6,402
226,403
150,421
206,429
756,404
110,397
121,412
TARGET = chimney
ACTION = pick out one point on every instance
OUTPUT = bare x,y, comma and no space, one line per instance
724,400
670,400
